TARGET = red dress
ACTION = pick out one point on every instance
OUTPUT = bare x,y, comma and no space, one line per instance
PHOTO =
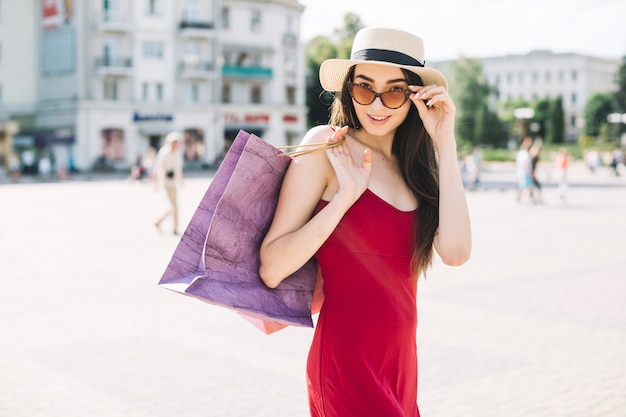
363,359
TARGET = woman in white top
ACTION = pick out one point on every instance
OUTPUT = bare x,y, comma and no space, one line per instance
168,174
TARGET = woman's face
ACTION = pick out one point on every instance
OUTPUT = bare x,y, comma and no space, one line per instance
376,118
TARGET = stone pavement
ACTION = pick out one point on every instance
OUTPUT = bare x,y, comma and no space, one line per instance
533,325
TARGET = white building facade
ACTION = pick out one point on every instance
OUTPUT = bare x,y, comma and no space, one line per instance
113,77
547,75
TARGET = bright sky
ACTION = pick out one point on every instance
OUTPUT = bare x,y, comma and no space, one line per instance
484,28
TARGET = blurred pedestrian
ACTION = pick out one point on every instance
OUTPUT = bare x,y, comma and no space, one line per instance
15,167
168,175
617,161
593,160
472,164
562,162
523,166
45,168
535,151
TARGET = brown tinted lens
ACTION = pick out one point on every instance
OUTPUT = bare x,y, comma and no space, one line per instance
362,95
393,99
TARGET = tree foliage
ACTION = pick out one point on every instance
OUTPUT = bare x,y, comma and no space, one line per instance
597,108
318,50
556,129
477,122
620,95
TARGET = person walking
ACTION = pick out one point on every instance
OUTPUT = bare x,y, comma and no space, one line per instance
371,208
562,162
168,175
524,170
535,156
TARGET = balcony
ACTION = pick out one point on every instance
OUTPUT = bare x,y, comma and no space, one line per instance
111,21
197,70
246,73
114,65
196,29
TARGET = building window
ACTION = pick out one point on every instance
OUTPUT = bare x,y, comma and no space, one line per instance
255,22
194,93
574,75
145,91
226,93
109,10
153,50
509,78
547,76
110,89
112,145
255,94
154,7
291,95
191,12
290,63
534,77
574,98
560,76
194,144
159,91
225,17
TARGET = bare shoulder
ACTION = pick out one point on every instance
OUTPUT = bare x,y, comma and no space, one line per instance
309,174
317,134
315,162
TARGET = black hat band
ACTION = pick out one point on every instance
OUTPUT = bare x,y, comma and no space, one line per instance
386,55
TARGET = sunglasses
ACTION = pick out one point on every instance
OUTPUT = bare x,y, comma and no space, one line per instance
392,99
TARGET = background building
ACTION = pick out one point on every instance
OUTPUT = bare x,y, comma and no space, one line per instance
100,82
547,75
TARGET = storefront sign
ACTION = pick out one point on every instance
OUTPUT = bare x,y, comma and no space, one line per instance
138,117
252,118
290,118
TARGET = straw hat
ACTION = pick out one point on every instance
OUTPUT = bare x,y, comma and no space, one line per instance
391,47
173,137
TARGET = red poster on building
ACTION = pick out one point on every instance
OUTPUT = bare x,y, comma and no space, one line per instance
51,14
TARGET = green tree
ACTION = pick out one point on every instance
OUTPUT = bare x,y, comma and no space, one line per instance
318,50
620,79
620,95
506,112
542,116
555,133
597,108
477,123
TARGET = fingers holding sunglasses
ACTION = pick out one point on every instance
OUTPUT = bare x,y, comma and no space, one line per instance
432,96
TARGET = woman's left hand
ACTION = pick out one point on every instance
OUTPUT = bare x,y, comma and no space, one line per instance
437,111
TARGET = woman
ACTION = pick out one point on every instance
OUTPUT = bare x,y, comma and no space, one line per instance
168,174
371,210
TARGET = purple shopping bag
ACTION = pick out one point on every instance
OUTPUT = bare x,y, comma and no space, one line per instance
217,258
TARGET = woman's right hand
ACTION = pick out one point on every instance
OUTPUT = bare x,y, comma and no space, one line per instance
353,180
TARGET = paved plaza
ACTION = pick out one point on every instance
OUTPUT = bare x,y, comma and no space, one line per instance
533,325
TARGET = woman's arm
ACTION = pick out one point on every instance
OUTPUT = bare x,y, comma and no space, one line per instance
453,241
295,236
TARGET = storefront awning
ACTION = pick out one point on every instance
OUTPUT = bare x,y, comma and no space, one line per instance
155,130
54,138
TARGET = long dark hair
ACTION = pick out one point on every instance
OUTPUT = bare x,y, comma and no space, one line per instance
415,152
